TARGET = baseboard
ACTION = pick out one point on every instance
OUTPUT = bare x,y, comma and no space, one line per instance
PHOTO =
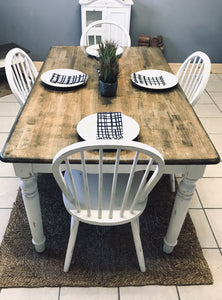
215,68
38,65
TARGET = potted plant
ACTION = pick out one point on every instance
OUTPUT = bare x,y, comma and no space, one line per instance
108,68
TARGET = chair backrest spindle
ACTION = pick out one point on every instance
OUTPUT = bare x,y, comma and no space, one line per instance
86,184
129,183
115,176
100,184
73,187
143,181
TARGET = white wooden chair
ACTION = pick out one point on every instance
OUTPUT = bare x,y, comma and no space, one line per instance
193,76
108,194
100,31
21,73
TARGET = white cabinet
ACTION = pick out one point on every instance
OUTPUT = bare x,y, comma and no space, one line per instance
115,10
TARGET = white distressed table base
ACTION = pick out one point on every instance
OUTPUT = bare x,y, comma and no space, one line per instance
182,201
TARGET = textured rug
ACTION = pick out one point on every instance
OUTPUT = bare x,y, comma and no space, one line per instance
103,256
4,87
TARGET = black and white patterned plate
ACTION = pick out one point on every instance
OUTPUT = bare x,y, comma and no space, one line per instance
87,128
154,79
64,78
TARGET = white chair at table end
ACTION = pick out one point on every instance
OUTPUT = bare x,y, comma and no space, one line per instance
21,74
102,194
95,29
193,76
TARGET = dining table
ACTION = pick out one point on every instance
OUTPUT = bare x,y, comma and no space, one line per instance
48,122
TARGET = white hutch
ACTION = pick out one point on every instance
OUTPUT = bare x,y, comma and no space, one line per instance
115,10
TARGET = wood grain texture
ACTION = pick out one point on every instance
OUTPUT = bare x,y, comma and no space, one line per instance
49,118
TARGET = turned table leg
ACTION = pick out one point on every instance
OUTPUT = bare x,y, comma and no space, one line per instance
31,201
30,197
183,198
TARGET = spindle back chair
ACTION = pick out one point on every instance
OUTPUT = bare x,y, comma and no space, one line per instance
193,75
21,74
100,31
107,193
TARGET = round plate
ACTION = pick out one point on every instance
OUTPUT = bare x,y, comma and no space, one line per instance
46,77
93,50
169,79
87,127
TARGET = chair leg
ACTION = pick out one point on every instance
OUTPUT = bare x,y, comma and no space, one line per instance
71,223
138,245
172,182
71,244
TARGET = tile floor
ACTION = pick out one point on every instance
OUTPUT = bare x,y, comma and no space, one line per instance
205,210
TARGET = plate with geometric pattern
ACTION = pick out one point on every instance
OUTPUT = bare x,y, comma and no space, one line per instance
154,79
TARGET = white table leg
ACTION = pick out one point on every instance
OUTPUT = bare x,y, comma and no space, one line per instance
30,197
182,201
31,201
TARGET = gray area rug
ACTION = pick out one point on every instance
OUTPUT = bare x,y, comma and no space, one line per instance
102,256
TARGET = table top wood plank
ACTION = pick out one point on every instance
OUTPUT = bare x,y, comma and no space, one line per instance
49,118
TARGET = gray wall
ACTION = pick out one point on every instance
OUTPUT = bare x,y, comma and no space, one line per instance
186,25
39,24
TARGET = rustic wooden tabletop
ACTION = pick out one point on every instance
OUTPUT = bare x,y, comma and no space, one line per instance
49,118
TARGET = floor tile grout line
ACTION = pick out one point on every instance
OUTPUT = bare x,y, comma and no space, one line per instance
4,132
59,294
8,176
211,226
209,177
212,231
212,208
5,208
214,102
178,292
210,248
208,221
218,76
200,208
8,116
209,118
216,133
